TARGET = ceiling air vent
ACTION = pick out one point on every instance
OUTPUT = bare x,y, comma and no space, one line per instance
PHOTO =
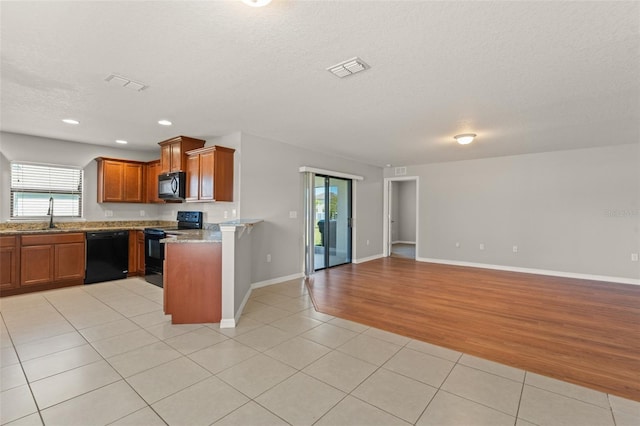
348,67
118,80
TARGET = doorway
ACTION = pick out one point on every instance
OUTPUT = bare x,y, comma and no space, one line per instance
332,221
401,217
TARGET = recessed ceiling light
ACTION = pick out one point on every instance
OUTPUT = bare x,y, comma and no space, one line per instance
465,138
123,142
165,123
70,121
256,3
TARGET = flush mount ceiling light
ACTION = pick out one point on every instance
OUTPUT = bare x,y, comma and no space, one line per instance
118,80
70,121
256,3
121,141
164,122
348,67
465,138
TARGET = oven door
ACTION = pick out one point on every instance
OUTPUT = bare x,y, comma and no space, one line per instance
153,255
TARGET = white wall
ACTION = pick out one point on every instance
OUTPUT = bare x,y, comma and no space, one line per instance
16,147
272,187
570,211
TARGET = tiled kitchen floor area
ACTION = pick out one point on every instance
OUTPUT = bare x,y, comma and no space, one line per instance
105,354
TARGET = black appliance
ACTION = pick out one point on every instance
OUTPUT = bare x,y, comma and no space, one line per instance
154,250
172,186
107,256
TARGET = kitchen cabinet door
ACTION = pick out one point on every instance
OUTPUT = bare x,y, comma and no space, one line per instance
133,183
113,181
207,165
37,266
176,157
133,255
9,261
69,261
165,158
151,177
193,177
140,253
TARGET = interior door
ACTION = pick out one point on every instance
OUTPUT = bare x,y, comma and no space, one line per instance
332,225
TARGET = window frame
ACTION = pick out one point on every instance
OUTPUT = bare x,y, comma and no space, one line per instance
49,190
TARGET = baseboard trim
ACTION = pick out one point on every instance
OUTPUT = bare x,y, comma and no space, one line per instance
228,323
273,281
368,259
619,280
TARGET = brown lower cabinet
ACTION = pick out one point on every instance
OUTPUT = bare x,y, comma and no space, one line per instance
45,261
9,262
136,253
193,282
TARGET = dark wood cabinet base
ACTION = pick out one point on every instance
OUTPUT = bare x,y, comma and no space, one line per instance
193,282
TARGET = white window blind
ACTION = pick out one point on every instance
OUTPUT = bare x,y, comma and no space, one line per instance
33,184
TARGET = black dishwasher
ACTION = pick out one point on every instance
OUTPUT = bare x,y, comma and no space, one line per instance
107,256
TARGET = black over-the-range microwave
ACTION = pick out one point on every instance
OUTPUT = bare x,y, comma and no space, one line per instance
172,186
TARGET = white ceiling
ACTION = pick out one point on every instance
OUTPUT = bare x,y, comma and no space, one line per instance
525,76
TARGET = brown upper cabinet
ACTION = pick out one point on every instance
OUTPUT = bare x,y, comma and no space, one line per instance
120,181
173,157
210,174
152,172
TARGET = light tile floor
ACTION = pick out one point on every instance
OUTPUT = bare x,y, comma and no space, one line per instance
106,354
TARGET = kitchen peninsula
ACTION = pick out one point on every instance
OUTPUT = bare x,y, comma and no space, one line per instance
207,274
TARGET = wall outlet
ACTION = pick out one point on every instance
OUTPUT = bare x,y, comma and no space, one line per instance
143,213
108,213
226,214
634,257
458,245
293,214
367,242
515,249
481,246
233,213
269,258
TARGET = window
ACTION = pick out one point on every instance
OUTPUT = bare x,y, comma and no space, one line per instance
32,185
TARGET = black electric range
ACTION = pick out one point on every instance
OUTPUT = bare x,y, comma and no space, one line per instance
154,250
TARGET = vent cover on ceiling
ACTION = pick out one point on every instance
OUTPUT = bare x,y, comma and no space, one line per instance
348,67
401,171
118,80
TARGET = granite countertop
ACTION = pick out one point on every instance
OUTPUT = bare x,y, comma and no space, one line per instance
25,228
241,222
193,236
207,235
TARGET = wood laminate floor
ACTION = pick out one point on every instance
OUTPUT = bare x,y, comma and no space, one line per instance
580,331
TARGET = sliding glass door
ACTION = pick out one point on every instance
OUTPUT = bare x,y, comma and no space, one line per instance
332,225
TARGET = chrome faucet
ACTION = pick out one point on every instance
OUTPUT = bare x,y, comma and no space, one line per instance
50,213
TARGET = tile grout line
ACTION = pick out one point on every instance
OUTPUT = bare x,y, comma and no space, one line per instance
524,380
33,397
99,354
